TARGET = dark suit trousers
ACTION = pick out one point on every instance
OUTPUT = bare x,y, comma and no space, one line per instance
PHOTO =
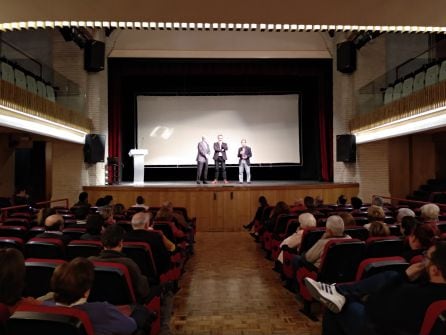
200,167
220,164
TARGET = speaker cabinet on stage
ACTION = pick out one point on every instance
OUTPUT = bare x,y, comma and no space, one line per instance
94,56
94,148
346,148
346,57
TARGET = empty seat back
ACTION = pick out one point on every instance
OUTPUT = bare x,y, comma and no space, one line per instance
83,248
340,260
41,89
38,276
14,231
20,78
418,81
7,72
49,320
432,75
112,283
442,71
384,246
45,248
397,91
309,237
141,253
371,266
407,87
31,84
50,95
388,94
11,242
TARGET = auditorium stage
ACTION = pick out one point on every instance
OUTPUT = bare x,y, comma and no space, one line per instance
221,207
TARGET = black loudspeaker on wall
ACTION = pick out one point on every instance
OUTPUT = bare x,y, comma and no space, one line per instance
346,57
94,148
94,55
346,148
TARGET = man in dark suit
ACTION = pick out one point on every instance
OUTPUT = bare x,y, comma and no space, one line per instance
244,154
202,160
220,158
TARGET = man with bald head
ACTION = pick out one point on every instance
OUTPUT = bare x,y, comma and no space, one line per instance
160,245
54,225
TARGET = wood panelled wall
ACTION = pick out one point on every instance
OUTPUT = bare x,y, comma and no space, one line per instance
220,208
412,161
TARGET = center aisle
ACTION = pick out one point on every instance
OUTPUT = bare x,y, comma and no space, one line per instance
229,288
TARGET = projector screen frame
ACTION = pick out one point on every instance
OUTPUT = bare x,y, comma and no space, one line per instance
233,148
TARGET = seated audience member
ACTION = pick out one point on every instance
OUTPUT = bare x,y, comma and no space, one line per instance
311,208
100,202
43,214
118,209
280,209
342,201
181,229
12,280
21,197
94,225
408,224
306,220
402,212
71,283
54,225
422,237
348,219
107,213
334,229
430,213
140,203
356,205
319,201
263,203
378,229
297,207
82,207
112,241
108,200
396,303
160,245
374,213
377,201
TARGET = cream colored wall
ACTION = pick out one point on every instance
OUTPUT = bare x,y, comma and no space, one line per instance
69,172
217,44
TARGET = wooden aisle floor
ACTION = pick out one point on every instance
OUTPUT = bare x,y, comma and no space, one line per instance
230,288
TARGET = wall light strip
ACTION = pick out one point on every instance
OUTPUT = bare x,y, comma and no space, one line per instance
39,125
418,123
269,27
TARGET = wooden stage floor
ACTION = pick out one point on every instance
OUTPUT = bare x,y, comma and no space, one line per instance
230,288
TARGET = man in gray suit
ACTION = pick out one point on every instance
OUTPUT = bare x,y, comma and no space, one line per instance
220,158
202,160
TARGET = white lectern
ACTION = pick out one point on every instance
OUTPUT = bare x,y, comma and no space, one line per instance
138,165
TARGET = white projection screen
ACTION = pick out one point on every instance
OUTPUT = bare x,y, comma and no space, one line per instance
170,127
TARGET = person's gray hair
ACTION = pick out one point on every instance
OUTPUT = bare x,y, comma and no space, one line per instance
307,220
336,225
140,219
402,212
378,201
430,211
